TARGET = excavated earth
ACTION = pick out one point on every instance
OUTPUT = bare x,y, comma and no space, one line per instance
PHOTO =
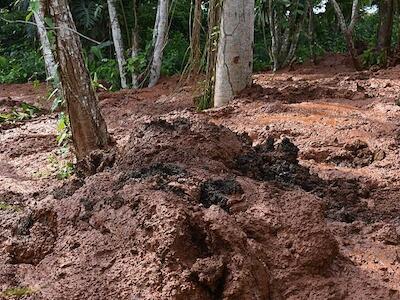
290,192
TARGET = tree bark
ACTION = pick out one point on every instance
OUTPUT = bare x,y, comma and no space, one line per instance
284,37
89,130
274,35
118,44
159,38
49,61
294,36
135,44
195,40
385,29
311,33
214,16
348,30
235,50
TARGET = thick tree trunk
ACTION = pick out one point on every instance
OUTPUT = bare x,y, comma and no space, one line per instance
89,130
348,30
135,44
49,61
385,29
195,40
118,44
159,38
235,50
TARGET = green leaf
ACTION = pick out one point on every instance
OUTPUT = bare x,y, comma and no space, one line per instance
29,16
33,7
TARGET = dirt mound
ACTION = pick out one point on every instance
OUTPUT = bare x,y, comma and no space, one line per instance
182,141
190,210
179,223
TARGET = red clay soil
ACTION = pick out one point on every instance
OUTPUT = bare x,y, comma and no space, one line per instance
290,192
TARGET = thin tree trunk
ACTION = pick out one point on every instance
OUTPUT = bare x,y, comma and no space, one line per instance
118,44
159,37
235,50
284,40
214,15
348,30
274,35
289,41
385,29
294,38
213,22
352,50
89,130
135,44
195,39
311,33
49,61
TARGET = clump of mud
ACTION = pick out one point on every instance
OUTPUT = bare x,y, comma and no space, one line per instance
216,192
34,236
355,155
190,210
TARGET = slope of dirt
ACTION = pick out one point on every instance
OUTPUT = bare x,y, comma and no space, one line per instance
180,222
290,192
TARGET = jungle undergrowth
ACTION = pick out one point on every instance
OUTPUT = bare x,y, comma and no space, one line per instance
22,112
61,162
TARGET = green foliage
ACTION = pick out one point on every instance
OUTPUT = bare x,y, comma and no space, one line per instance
106,70
17,292
96,83
138,64
66,171
20,58
175,54
20,55
261,60
23,112
59,163
21,64
87,13
101,68
63,129
371,57
205,100
58,100
366,29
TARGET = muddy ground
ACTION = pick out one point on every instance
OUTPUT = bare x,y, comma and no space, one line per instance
290,192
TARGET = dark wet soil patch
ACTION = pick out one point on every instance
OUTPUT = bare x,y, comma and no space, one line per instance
215,192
